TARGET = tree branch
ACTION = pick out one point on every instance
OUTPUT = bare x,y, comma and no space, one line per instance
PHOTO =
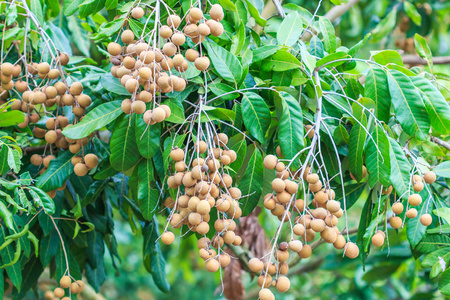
412,59
339,10
440,142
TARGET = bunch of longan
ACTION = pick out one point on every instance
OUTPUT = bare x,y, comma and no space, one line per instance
414,200
145,69
82,165
202,186
66,282
42,88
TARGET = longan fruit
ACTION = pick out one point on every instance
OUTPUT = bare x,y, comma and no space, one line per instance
278,185
388,190
191,55
137,12
305,252
378,239
202,63
36,159
429,177
129,62
158,114
264,279
84,100
415,199
76,88
397,208
328,234
333,206
169,49
127,36
126,106
216,12
204,30
312,178
411,213
46,161
51,137
418,186
318,225
237,241
65,282
270,161
178,39
131,85
173,21
59,292
299,229
310,130
351,250
165,32
212,265
80,169
64,58
295,245
80,284
49,295
196,13
416,178
53,74
255,265
283,284
7,68
167,238
114,49
138,107
91,160
395,222
340,242
426,219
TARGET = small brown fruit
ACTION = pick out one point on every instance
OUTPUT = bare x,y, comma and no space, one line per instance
167,238
426,219
65,282
80,169
429,177
137,12
202,63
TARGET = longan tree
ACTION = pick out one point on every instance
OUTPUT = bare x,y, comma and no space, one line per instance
197,116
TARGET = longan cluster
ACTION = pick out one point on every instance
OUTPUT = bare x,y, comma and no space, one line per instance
66,282
322,219
47,93
145,69
82,165
205,190
414,200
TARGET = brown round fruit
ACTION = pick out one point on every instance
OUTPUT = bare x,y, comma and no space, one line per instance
65,282
283,284
415,199
397,208
351,250
137,12
395,222
426,219
378,239
411,213
202,63
429,177
80,169
91,160
167,238
216,12
114,49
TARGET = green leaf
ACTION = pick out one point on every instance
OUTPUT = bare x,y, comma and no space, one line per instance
111,4
228,5
423,50
96,276
43,199
71,6
48,247
432,242
377,89
255,14
290,127
340,135
355,49
7,255
112,84
256,115
239,145
434,259
124,149
217,113
385,26
57,173
11,118
147,137
281,61
400,168
329,37
331,60
177,111
409,107
147,197
290,30
443,169
53,6
36,9
220,89
356,148
264,52
316,47
412,13
437,107
415,231
226,64
378,165
385,57
14,161
6,216
444,282
97,118
251,183
4,167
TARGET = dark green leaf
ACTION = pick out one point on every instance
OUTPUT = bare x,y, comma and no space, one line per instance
147,137
290,30
147,197
124,149
57,173
256,115
378,159
400,168
251,183
377,89
226,64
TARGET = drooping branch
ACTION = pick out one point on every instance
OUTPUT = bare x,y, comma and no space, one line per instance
440,142
412,59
